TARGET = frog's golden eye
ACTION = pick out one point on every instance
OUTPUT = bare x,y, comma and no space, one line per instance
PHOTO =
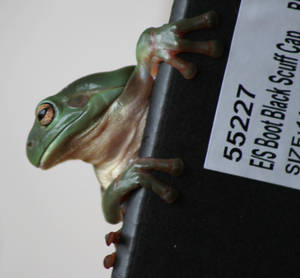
45,113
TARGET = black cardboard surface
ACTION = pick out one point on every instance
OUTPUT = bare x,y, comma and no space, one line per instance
221,225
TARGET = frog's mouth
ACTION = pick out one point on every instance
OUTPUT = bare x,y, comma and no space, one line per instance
56,151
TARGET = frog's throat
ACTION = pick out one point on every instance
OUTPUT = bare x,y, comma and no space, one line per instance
57,141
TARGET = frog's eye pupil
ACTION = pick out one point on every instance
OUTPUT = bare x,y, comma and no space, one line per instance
45,114
42,114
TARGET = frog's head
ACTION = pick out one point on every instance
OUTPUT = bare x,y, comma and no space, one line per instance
71,112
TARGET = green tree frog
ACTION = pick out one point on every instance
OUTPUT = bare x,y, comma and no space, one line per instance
100,118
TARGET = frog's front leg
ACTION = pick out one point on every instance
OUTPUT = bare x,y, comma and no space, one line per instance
135,176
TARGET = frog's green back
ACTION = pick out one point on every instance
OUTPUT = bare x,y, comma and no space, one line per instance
99,81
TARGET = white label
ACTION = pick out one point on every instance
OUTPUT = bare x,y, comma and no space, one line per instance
256,130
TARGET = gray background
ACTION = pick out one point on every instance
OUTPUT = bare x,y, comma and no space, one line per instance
51,224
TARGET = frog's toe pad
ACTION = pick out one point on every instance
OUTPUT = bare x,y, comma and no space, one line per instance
177,166
109,260
112,237
170,195
216,49
190,71
212,19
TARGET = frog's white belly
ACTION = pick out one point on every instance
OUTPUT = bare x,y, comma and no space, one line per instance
115,141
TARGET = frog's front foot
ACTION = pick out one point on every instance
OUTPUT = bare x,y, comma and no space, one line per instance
162,44
136,175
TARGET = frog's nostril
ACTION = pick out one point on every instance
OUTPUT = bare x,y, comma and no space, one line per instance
29,144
